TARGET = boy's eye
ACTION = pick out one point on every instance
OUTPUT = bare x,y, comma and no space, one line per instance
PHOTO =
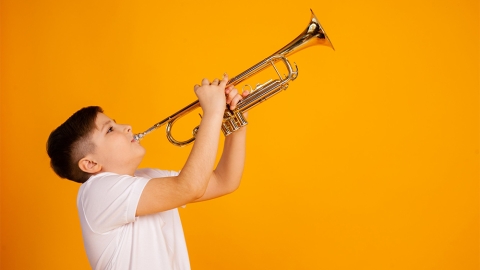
110,130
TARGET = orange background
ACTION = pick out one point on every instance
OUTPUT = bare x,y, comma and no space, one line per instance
370,160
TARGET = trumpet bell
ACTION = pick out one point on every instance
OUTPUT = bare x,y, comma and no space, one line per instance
313,35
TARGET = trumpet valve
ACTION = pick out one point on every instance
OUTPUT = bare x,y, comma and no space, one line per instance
227,129
240,119
233,122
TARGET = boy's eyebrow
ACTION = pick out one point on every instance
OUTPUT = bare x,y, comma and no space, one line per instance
106,123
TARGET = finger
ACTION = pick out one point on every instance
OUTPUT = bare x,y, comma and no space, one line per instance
231,95
245,93
215,82
205,82
224,81
234,102
228,89
195,87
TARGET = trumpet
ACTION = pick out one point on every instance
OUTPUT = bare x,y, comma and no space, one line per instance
233,119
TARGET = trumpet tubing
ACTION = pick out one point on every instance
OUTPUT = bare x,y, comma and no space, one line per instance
233,119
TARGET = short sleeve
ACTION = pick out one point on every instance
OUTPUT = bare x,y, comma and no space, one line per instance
110,200
155,173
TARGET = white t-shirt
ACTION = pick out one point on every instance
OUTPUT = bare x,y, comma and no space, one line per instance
115,239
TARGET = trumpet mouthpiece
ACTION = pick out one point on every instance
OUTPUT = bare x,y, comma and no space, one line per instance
138,137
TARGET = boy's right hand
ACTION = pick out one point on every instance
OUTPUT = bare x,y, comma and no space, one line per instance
212,95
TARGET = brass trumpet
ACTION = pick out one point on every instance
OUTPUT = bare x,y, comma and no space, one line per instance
234,120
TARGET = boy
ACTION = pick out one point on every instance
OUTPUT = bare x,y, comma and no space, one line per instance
129,217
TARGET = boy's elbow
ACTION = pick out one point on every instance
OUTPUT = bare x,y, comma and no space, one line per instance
232,188
195,189
198,192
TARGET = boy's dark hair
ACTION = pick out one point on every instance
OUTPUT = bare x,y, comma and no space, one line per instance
71,142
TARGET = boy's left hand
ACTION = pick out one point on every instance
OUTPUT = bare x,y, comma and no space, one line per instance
233,97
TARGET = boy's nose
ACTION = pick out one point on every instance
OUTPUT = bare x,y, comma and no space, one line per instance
128,128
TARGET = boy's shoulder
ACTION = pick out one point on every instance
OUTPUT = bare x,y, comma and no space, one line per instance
107,180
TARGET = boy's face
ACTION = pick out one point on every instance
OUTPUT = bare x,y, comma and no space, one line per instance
115,149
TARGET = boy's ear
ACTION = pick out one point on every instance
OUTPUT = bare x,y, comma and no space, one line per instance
89,165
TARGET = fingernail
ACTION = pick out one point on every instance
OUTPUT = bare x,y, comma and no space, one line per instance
225,75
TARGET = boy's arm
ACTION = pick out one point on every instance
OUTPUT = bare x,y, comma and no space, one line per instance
161,194
226,177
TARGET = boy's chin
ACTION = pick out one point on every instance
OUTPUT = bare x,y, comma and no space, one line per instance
140,158
142,154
